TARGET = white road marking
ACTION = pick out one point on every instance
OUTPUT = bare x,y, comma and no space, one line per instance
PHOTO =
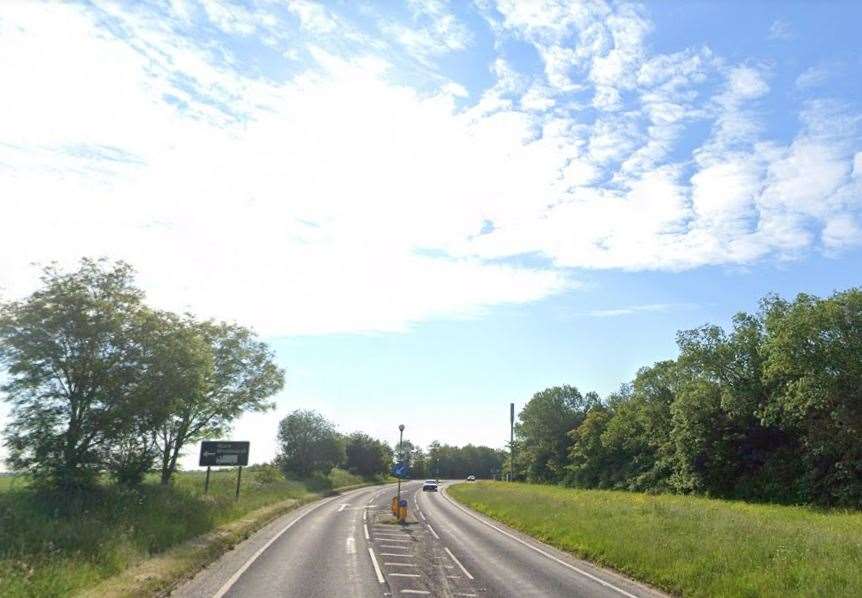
365,529
433,532
391,546
397,540
376,566
233,578
457,562
422,515
423,592
404,575
402,554
539,550
463,594
343,506
399,564
364,516
350,545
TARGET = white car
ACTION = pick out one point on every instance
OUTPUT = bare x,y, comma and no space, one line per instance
430,486
471,478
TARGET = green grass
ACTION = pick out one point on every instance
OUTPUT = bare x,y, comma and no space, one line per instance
688,545
56,545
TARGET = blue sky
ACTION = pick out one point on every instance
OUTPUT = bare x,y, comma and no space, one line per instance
434,208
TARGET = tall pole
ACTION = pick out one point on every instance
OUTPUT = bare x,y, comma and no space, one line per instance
400,456
511,442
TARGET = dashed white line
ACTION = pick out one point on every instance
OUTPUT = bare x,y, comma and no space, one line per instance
457,562
376,566
365,529
350,545
431,529
233,578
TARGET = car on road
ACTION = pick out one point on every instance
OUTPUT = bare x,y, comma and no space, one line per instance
430,486
471,478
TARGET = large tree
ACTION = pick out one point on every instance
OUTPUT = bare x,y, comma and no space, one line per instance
367,456
212,372
73,358
309,444
543,429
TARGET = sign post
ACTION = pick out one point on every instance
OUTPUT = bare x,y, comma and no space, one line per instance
223,452
511,442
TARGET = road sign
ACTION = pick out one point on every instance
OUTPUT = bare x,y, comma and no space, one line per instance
223,452
401,470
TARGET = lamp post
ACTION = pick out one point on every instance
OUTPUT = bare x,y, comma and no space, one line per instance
400,456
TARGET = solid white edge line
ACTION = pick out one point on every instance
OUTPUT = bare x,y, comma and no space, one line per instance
233,578
539,550
365,529
376,566
457,562
433,532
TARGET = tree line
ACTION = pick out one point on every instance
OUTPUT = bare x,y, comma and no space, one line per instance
769,410
310,445
98,381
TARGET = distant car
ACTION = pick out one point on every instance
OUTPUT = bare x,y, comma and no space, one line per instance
471,478
430,486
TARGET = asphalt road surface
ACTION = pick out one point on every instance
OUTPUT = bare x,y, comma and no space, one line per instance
349,546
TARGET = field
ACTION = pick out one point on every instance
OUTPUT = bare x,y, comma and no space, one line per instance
55,545
688,545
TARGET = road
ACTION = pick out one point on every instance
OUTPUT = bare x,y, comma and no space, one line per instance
348,546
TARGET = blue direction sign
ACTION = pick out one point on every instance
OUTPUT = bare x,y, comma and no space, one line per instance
401,470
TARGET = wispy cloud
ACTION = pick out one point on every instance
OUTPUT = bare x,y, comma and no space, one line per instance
180,138
638,309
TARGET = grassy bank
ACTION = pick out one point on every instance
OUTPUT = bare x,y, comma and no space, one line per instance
56,545
688,545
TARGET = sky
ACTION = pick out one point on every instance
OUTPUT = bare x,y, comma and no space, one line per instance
432,209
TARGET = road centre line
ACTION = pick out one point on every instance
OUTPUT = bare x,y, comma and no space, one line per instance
457,562
376,566
238,573
536,549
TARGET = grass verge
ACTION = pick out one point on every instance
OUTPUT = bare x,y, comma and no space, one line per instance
60,545
687,545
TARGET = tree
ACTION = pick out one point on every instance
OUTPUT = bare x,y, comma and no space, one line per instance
543,429
309,444
367,456
212,372
73,359
814,362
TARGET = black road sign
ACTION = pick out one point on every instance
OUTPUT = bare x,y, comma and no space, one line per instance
225,452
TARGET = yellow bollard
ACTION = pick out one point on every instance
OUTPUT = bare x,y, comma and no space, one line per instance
402,514
394,507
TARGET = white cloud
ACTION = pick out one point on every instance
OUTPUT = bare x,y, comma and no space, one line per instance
780,30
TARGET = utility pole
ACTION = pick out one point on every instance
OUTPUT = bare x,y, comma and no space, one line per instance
511,442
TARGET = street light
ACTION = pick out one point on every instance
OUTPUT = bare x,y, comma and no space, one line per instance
400,456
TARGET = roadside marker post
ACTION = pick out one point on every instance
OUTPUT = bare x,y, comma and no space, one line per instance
207,482
238,480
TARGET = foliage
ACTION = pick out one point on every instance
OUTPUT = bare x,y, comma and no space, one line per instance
770,411
688,545
72,355
309,444
445,461
543,430
56,543
214,372
367,456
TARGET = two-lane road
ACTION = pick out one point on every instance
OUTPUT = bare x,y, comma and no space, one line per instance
348,546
